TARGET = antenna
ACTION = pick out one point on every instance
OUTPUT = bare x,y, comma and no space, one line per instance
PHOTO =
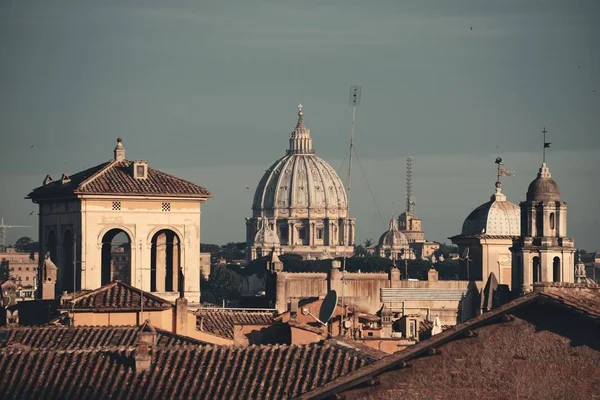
355,94
3,228
409,195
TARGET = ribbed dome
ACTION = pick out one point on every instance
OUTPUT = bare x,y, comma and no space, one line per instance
393,237
266,237
300,181
543,188
496,217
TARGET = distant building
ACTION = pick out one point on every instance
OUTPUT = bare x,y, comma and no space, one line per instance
300,206
394,244
22,269
123,220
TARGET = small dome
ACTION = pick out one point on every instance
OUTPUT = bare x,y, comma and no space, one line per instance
543,188
266,237
496,217
393,237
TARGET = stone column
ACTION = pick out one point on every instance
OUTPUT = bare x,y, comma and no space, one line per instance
176,263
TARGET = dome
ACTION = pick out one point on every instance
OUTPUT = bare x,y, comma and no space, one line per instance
393,237
543,188
300,183
496,217
266,237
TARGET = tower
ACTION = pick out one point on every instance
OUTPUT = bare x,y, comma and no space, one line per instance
543,252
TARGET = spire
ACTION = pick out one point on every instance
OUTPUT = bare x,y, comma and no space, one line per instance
301,142
119,150
410,204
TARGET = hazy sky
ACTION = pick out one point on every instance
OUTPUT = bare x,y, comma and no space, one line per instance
207,90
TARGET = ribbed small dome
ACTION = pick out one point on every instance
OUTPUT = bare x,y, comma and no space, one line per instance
496,217
266,237
393,237
543,188
300,180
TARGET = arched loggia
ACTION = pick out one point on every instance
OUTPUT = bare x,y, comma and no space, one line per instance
71,274
116,256
165,262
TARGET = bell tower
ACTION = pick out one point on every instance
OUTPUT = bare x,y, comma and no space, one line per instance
543,252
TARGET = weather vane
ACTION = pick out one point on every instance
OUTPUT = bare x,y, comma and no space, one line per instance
546,145
502,171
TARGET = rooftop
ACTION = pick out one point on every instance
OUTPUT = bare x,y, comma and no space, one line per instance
215,372
220,322
114,296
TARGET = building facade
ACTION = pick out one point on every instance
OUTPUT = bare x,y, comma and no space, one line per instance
300,206
543,252
123,220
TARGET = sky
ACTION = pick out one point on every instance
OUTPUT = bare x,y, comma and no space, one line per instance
207,90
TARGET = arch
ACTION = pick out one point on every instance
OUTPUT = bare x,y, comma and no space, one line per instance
71,281
123,228
536,270
116,256
52,245
165,261
552,222
171,228
556,269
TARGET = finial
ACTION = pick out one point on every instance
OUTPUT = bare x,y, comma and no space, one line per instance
119,139
300,112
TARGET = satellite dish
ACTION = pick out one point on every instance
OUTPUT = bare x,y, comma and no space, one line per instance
328,307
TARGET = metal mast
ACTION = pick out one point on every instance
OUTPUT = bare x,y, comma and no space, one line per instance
354,101
409,194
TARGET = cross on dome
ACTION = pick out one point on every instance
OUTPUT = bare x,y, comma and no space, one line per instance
300,112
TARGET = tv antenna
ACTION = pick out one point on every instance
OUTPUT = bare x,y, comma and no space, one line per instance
327,308
3,228
410,203
466,259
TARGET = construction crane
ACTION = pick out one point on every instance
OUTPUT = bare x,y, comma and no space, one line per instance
3,228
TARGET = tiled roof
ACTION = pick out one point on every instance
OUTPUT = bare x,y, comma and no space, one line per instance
116,178
83,337
220,322
582,299
205,372
114,296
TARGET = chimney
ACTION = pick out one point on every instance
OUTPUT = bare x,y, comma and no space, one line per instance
48,274
432,275
146,340
181,316
293,308
119,151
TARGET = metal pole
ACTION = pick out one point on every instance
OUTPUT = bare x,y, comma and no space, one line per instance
74,262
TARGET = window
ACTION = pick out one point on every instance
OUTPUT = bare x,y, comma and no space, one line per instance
166,206
551,220
302,233
369,333
319,233
116,206
26,278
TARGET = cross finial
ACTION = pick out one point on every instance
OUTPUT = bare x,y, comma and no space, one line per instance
300,112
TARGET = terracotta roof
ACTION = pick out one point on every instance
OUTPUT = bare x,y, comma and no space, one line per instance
114,296
220,322
206,372
577,302
83,337
116,178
